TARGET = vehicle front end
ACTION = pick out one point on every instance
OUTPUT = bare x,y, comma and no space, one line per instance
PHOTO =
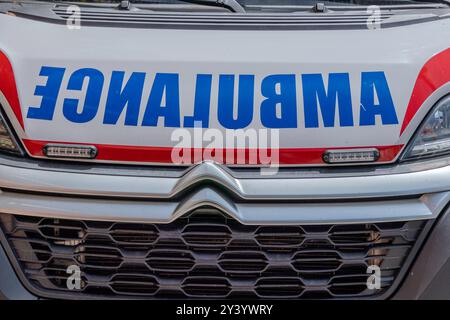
229,150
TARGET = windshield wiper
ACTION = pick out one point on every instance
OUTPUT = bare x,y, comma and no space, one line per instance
447,2
232,5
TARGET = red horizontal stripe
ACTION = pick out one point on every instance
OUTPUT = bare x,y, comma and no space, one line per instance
287,156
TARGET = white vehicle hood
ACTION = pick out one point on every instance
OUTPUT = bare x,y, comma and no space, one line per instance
125,90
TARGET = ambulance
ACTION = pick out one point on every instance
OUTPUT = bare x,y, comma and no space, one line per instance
225,149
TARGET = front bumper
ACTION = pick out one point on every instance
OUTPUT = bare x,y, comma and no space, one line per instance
408,192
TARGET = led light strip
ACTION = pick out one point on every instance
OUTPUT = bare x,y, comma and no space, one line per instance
351,155
70,151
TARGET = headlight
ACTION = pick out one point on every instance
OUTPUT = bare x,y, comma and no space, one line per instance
433,137
7,141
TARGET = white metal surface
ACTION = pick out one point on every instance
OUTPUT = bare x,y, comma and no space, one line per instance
398,52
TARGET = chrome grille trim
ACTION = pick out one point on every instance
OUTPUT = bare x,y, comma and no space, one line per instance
251,213
274,188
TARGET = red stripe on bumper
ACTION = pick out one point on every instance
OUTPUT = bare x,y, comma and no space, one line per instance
287,156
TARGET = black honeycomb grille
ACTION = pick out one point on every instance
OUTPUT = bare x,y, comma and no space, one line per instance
208,255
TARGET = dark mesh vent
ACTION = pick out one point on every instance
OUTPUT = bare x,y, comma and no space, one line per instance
207,254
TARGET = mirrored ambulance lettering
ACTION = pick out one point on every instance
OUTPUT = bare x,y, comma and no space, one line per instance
202,102
326,99
279,90
336,97
94,79
124,96
49,93
375,83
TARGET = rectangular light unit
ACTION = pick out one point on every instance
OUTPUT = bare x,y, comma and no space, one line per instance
351,155
70,151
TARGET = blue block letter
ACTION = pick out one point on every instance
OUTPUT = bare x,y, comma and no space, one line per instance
279,90
201,103
338,91
93,94
49,93
130,96
226,101
165,83
372,82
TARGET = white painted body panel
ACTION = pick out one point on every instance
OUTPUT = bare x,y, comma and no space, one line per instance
399,52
